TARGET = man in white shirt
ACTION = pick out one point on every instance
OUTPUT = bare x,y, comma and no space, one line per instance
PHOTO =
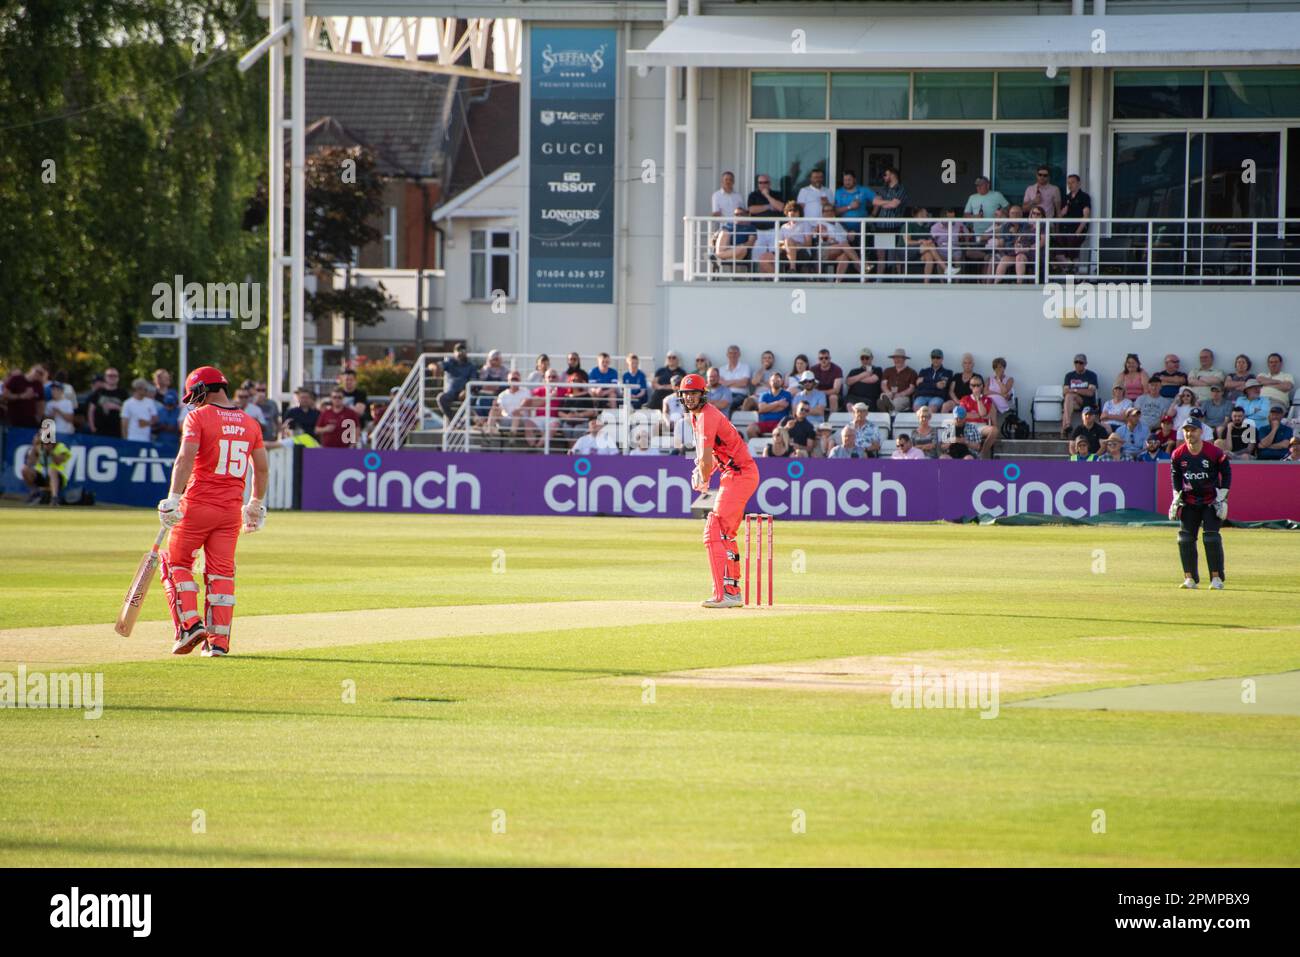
1277,385
595,442
726,200
735,375
503,414
815,195
139,413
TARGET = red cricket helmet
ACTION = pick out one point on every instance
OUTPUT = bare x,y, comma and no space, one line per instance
201,381
693,382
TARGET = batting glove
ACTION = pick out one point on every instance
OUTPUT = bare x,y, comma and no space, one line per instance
169,511
1174,506
254,515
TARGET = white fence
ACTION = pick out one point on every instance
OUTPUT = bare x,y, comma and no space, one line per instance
971,250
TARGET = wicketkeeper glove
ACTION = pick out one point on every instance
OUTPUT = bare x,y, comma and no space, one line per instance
1221,504
1174,506
254,515
169,511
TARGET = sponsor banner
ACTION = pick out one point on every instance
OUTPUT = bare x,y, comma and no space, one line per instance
127,473
572,84
659,487
1261,491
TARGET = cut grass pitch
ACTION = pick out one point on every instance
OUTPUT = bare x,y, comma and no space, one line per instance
550,730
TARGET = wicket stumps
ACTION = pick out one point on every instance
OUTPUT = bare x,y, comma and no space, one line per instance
754,523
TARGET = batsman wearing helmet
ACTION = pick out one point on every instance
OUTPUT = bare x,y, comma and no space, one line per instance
1201,478
719,448
204,510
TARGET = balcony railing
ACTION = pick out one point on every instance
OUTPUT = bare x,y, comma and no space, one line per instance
1002,250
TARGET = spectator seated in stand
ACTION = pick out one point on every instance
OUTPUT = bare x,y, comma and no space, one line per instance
1166,434
1091,429
1079,450
957,447
810,395
633,375
904,449
1001,387
802,431
718,395
541,410
1112,450
866,436
663,384
925,437
899,383
1271,442
1151,450
675,422
829,378
598,440
932,383
863,383
494,370
1276,386
1293,451
506,415
1238,436
1182,406
780,447
773,406
1254,405
604,374
1133,434
848,446
1217,408
641,444
1115,412
1151,406
759,379
456,371
825,441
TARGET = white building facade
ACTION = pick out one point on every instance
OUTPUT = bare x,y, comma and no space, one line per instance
1182,120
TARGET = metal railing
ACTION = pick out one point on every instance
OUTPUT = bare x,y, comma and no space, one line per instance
1000,250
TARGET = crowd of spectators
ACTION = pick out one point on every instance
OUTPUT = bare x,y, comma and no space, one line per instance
1242,412
150,410
862,232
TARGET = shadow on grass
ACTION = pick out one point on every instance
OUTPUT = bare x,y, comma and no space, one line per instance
265,712
235,855
398,662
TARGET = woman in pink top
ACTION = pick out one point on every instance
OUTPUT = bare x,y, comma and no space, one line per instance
1133,380
1001,386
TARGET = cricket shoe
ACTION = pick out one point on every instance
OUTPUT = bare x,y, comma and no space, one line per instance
1216,583
218,646
726,601
190,639
1189,583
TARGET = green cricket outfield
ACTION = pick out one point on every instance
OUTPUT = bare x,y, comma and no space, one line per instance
427,690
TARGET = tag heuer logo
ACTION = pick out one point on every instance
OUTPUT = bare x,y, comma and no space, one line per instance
547,117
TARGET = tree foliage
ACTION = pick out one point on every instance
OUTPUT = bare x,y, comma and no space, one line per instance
129,148
344,194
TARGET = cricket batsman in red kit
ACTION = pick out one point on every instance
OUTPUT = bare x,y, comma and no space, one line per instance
719,448
204,510
1201,478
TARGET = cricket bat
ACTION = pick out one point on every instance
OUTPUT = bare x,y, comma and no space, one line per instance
139,588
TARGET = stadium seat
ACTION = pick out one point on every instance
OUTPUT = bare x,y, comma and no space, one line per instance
881,421
756,446
841,419
887,447
941,419
1048,402
905,420
744,418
